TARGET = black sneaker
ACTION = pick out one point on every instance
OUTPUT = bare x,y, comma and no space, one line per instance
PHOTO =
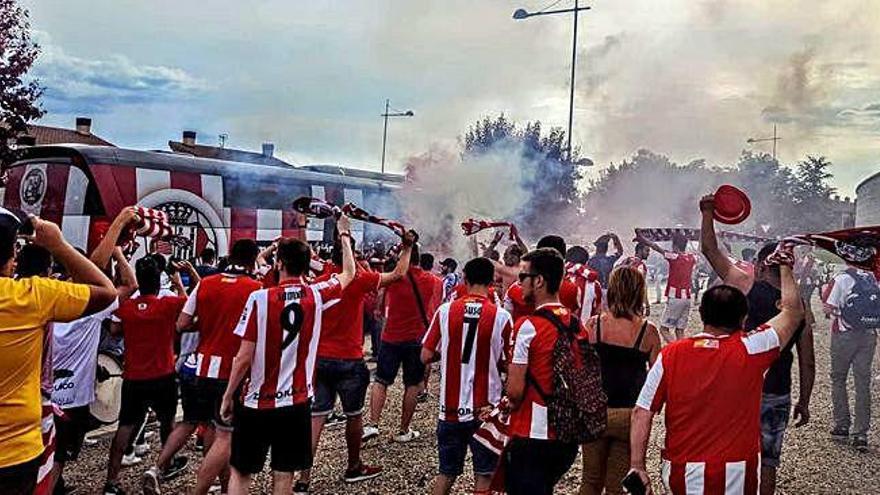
177,467
362,473
860,443
840,435
113,489
423,396
334,420
301,488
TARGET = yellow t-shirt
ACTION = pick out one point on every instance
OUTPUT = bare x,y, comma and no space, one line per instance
25,308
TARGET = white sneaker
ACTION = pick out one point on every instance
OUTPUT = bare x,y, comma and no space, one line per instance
89,441
141,449
407,437
130,460
370,432
148,435
150,481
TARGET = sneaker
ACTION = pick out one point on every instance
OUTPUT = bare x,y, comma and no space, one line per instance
149,434
90,441
362,473
860,443
200,444
130,460
150,481
215,488
301,488
113,489
335,420
177,467
141,449
423,396
840,434
370,432
407,437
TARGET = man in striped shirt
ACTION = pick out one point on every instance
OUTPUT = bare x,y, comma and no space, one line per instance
678,286
467,336
711,387
280,329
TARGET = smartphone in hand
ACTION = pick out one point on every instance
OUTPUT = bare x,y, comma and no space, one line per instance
633,484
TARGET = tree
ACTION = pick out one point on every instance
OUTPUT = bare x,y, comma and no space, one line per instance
18,94
549,177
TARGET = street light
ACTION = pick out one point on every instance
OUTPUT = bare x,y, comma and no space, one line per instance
521,14
388,113
764,140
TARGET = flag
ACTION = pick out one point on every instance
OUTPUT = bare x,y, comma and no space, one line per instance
471,226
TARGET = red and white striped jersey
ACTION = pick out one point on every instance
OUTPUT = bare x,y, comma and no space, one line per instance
635,262
218,302
285,324
711,387
589,289
681,269
469,334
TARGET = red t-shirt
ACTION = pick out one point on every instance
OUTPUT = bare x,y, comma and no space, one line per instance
681,269
635,262
218,301
711,387
404,321
516,305
285,324
589,290
342,329
470,335
533,340
149,328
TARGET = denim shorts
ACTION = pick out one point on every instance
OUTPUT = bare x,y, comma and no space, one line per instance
453,440
775,411
347,378
392,356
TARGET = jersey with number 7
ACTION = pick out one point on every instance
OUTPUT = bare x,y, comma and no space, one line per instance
284,322
469,334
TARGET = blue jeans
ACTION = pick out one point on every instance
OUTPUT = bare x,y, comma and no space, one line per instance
775,411
453,440
347,378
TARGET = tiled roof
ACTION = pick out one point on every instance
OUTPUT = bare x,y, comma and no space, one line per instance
56,135
216,152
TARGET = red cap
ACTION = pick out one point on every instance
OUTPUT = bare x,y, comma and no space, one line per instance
732,206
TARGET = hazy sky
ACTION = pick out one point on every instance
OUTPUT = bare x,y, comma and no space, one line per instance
688,78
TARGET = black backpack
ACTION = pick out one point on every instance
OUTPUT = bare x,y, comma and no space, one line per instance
578,407
861,309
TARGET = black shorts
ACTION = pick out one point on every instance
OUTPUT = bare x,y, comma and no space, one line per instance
20,479
70,431
347,378
286,430
392,356
204,403
158,394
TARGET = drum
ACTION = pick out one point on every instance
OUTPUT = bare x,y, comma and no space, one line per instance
108,389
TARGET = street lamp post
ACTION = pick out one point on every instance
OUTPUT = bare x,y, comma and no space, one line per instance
775,139
521,14
388,113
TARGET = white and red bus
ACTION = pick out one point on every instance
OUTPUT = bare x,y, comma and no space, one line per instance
211,202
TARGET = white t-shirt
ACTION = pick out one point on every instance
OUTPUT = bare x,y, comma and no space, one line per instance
74,358
841,288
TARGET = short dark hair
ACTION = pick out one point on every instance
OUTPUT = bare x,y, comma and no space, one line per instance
415,257
208,254
724,307
602,243
765,251
679,241
148,275
449,262
426,261
547,262
577,254
295,256
553,241
749,253
479,271
33,261
641,245
244,252
161,262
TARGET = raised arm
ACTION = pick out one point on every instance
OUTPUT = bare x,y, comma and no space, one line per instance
729,273
402,267
127,278
789,318
651,244
492,245
618,246
524,248
343,225
101,255
101,289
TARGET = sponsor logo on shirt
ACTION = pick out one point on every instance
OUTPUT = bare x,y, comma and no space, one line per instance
462,411
280,394
706,344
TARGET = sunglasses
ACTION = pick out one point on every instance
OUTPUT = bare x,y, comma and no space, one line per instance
524,275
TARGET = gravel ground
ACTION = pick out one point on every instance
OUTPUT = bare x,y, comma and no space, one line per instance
811,462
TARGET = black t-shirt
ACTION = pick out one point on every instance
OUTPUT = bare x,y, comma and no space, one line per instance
762,308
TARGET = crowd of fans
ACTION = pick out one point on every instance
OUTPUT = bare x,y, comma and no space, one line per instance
542,352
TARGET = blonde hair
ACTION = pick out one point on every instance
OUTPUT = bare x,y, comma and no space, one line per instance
626,293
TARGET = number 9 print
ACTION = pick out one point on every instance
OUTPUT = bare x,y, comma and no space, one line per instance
291,322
